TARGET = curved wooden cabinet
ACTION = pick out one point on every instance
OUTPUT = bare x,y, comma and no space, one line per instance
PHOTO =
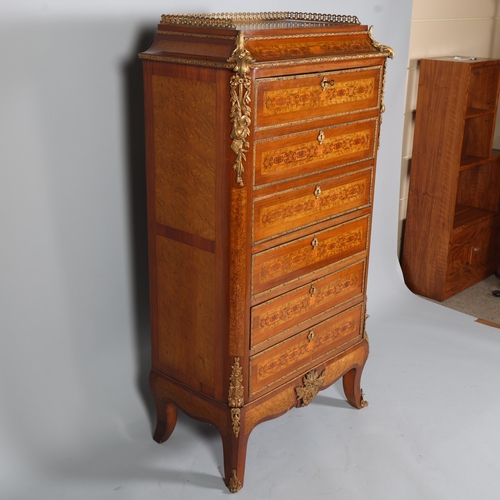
262,136
452,231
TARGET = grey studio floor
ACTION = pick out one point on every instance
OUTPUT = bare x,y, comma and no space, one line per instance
430,431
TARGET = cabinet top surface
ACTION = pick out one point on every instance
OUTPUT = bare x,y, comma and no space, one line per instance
463,59
262,39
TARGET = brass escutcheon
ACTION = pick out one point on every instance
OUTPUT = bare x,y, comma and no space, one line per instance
324,83
314,242
321,137
317,192
310,336
312,290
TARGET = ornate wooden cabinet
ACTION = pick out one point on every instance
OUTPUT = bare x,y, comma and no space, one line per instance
262,134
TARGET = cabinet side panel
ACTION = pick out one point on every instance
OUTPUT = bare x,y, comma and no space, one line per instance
186,313
184,138
437,145
183,163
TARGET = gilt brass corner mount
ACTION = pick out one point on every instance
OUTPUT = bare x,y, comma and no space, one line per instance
234,483
235,397
379,46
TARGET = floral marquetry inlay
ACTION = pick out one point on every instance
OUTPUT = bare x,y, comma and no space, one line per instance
289,100
338,196
347,241
310,151
322,295
303,351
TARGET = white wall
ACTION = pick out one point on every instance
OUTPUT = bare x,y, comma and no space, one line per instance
74,353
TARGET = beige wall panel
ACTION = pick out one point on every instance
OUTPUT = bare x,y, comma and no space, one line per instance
495,39
411,89
405,178
453,9
409,123
444,38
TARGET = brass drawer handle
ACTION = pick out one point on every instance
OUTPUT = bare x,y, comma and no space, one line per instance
324,83
310,336
314,242
312,290
321,137
317,192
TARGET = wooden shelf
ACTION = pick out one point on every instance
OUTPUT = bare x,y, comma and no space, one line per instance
466,216
467,161
474,112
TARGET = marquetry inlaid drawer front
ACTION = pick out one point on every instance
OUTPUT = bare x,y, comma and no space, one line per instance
289,310
294,98
296,208
302,153
290,260
295,353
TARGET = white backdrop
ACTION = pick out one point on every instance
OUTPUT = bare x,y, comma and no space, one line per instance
75,411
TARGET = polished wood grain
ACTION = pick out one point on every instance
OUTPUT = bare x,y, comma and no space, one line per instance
284,359
295,155
186,308
302,206
478,136
475,189
454,178
290,99
238,271
306,302
483,88
185,153
270,50
316,250
340,364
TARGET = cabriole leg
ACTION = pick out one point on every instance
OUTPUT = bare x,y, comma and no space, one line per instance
352,388
235,450
166,418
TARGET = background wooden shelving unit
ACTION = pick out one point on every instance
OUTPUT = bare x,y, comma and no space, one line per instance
452,233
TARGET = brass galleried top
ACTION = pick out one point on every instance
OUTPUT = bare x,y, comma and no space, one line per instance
235,20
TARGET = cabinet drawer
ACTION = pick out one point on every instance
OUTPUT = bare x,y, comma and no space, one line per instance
283,212
303,153
294,98
290,260
290,309
295,353
474,252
